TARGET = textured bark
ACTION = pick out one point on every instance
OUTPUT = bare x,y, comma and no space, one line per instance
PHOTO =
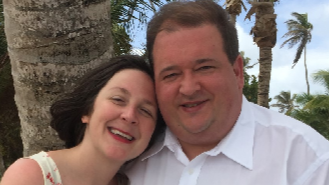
51,44
264,78
234,8
264,30
264,33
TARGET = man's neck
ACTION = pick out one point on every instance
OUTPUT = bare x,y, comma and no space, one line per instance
192,151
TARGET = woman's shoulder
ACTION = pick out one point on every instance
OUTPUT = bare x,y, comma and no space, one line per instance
23,171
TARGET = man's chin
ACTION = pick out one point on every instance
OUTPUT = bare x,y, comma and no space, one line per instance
196,129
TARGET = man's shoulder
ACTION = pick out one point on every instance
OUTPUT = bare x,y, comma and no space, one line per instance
272,119
269,117
283,127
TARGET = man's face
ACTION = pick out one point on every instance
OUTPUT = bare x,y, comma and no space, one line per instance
199,92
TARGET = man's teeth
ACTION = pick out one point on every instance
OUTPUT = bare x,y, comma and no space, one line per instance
117,132
190,105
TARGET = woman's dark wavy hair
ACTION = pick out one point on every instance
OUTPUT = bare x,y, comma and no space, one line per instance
67,112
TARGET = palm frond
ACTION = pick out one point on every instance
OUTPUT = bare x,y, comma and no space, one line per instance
300,49
322,77
299,32
285,102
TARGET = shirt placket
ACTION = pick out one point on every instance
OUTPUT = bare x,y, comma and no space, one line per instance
192,171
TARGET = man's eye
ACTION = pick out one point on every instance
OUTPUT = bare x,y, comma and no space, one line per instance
204,68
170,76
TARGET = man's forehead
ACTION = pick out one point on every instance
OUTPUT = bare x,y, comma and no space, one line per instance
172,26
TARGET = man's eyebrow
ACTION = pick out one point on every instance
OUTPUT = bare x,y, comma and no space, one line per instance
198,61
203,60
169,68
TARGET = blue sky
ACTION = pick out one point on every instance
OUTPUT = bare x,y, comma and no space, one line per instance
283,77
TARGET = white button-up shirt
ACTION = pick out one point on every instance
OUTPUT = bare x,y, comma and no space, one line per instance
263,148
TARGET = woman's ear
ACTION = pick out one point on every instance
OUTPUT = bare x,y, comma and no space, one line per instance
85,119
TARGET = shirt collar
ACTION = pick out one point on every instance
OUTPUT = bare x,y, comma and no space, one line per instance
166,139
237,145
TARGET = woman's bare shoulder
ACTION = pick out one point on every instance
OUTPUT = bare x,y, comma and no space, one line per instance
23,172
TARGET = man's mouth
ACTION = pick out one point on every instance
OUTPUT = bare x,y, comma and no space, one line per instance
190,105
121,134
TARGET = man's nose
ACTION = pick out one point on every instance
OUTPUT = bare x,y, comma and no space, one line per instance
189,85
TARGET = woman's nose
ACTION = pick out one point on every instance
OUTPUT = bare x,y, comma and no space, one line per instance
129,115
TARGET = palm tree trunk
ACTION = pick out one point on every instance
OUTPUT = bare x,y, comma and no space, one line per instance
306,73
264,33
51,44
265,65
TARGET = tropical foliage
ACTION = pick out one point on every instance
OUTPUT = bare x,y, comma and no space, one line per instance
285,102
9,121
10,142
314,109
299,32
250,81
125,16
121,40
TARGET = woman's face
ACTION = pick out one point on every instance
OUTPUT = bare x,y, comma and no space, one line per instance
124,115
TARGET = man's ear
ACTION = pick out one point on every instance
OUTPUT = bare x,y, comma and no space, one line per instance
238,71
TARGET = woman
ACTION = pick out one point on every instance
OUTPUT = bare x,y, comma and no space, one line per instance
106,121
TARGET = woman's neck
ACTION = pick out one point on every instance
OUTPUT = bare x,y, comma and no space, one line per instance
85,166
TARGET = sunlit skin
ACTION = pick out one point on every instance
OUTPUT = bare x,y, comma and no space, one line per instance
199,91
127,104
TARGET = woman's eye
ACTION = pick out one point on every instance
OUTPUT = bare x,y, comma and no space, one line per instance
117,100
146,112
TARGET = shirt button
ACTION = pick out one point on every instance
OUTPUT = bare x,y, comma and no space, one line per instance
190,171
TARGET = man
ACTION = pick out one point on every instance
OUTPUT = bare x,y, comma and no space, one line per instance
214,135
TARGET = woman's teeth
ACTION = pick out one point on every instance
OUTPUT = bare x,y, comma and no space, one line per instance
117,132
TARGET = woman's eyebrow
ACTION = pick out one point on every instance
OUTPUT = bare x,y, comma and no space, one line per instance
123,90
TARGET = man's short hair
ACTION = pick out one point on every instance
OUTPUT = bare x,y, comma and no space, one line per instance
193,14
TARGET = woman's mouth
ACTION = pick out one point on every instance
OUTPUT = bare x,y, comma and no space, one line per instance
121,134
